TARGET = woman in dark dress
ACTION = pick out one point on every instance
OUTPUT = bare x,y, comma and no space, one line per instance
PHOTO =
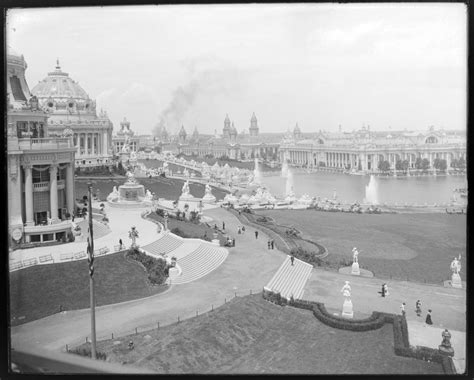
428,320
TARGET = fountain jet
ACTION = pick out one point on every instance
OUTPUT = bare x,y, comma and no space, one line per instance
371,191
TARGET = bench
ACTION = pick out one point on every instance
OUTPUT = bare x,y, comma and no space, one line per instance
79,255
30,262
16,265
66,256
45,258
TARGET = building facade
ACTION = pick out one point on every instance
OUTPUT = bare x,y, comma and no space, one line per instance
231,143
40,166
69,107
363,150
125,134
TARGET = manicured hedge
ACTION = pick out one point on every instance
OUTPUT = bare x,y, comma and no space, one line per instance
375,321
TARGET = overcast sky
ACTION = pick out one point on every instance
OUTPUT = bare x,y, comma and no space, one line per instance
318,65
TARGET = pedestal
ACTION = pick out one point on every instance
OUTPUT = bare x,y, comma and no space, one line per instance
449,351
355,269
456,281
347,309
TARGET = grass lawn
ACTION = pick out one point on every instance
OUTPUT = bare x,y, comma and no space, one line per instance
251,335
191,229
418,246
168,188
37,291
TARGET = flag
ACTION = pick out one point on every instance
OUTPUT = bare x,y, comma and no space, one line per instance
90,257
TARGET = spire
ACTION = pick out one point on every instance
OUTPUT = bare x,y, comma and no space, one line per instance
57,64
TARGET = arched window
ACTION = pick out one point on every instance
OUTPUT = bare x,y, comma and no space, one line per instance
431,140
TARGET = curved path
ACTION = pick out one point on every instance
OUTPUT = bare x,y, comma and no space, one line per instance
249,266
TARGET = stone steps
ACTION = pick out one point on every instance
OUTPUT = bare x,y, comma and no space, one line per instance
200,262
290,280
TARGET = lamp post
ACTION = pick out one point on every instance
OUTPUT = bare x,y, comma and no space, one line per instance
90,251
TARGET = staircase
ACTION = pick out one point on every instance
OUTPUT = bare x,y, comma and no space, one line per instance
169,242
199,263
290,280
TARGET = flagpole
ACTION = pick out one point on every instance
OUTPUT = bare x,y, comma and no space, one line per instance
90,248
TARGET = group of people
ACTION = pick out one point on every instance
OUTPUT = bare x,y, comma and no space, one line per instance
428,319
271,244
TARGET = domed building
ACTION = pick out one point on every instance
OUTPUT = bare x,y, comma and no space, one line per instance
70,108
40,167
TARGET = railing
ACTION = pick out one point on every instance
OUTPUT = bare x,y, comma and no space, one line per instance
41,186
45,143
44,361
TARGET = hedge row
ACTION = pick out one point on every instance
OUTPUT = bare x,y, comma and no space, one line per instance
375,321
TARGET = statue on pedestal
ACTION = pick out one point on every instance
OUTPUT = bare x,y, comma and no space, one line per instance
456,265
445,346
185,189
133,234
455,277
346,290
355,255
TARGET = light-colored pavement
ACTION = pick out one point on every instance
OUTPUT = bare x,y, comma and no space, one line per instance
249,266
120,222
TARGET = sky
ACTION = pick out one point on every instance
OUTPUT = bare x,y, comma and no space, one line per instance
389,66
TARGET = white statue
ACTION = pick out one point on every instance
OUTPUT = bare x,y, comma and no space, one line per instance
456,265
133,234
208,190
346,290
114,195
355,255
185,189
130,177
133,156
148,195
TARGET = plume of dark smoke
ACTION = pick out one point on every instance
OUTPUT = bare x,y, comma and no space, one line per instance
209,82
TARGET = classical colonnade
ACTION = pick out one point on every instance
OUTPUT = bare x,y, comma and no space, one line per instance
53,185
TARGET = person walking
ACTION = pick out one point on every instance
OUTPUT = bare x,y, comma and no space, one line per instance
223,226
256,234
120,243
273,244
243,229
268,244
418,308
428,320
292,258
239,231
383,290
386,289
402,308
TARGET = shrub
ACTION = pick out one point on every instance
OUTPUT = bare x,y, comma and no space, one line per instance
179,232
86,351
157,269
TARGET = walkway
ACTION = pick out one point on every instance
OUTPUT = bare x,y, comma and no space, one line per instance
120,221
249,266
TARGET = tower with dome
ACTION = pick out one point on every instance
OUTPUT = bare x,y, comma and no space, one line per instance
69,108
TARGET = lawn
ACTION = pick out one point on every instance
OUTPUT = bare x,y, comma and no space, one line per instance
419,247
251,335
192,230
168,188
37,291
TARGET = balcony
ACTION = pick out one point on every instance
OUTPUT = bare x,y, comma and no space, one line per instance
41,186
45,143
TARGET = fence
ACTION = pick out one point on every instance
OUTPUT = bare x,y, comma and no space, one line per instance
179,318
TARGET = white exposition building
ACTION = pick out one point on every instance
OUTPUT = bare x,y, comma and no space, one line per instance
70,107
40,167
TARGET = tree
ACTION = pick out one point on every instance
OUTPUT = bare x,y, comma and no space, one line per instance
440,164
418,163
462,163
425,164
398,165
252,155
384,166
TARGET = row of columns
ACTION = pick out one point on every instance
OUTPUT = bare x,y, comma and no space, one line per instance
99,143
340,160
53,193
